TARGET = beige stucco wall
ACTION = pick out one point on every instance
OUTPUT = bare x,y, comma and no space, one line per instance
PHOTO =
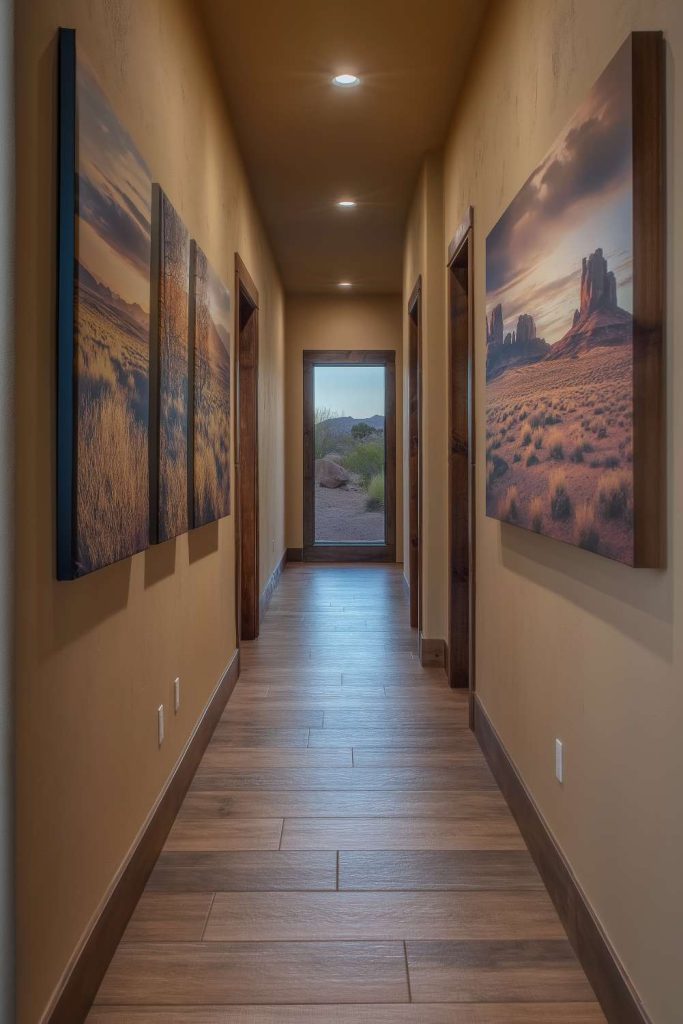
423,257
336,322
571,645
95,657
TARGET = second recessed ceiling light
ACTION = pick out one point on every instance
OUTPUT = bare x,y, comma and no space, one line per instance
346,80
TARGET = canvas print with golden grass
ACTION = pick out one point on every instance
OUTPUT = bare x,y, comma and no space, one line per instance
169,398
112,299
559,357
210,325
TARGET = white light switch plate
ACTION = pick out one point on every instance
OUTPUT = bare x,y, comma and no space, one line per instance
160,722
176,695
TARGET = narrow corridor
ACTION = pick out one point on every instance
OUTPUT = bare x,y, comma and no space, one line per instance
343,848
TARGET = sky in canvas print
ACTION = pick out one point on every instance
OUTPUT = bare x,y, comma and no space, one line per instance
211,468
112,332
559,276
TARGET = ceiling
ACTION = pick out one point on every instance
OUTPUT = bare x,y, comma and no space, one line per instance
308,143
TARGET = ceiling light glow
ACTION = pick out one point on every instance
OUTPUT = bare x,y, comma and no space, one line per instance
346,203
344,284
346,80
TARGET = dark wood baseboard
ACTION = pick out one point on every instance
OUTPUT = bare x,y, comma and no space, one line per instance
612,987
270,586
82,978
295,554
432,652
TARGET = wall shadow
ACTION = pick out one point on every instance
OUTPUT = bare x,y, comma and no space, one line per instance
636,602
202,542
159,562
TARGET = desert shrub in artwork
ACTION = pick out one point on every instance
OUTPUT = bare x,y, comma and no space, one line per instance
614,495
586,532
560,502
536,514
112,499
509,506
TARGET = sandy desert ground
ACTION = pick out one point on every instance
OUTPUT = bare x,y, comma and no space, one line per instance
559,449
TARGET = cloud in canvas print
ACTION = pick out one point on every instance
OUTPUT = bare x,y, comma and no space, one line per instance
112,333
210,322
559,357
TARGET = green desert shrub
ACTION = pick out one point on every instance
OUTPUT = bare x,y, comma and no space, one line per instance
367,460
560,502
532,460
375,499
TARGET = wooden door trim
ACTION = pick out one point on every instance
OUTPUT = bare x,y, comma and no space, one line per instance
246,506
461,470
415,501
386,552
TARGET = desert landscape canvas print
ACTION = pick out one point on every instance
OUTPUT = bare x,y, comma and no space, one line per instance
559,320
111,333
170,368
210,327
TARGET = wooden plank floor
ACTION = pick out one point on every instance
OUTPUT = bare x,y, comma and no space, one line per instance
343,855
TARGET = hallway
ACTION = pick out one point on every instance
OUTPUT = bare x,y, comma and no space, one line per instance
343,844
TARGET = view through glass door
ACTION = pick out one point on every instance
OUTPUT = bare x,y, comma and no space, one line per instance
350,448
349,454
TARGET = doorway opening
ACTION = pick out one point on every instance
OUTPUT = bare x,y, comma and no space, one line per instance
246,455
461,462
349,495
415,454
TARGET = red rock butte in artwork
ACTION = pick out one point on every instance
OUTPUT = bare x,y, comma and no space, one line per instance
559,332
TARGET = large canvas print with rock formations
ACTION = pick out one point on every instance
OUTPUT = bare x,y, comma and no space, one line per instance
559,354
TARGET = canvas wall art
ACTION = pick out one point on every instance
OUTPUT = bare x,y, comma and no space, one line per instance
168,463
104,306
573,308
210,390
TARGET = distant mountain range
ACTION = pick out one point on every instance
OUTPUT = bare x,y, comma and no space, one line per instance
340,426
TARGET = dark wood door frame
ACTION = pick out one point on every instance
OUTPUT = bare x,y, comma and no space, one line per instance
246,455
415,454
461,461
386,552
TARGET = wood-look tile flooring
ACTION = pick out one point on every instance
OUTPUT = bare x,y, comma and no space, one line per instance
343,854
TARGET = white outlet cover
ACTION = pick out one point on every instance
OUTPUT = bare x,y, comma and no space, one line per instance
160,723
559,760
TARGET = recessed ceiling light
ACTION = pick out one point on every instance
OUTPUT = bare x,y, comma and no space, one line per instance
344,284
346,202
346,80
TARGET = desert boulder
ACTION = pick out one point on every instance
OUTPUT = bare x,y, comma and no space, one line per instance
330,474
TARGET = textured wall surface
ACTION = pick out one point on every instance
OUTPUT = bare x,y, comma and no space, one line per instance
6,525
571,645
347,322
95,657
